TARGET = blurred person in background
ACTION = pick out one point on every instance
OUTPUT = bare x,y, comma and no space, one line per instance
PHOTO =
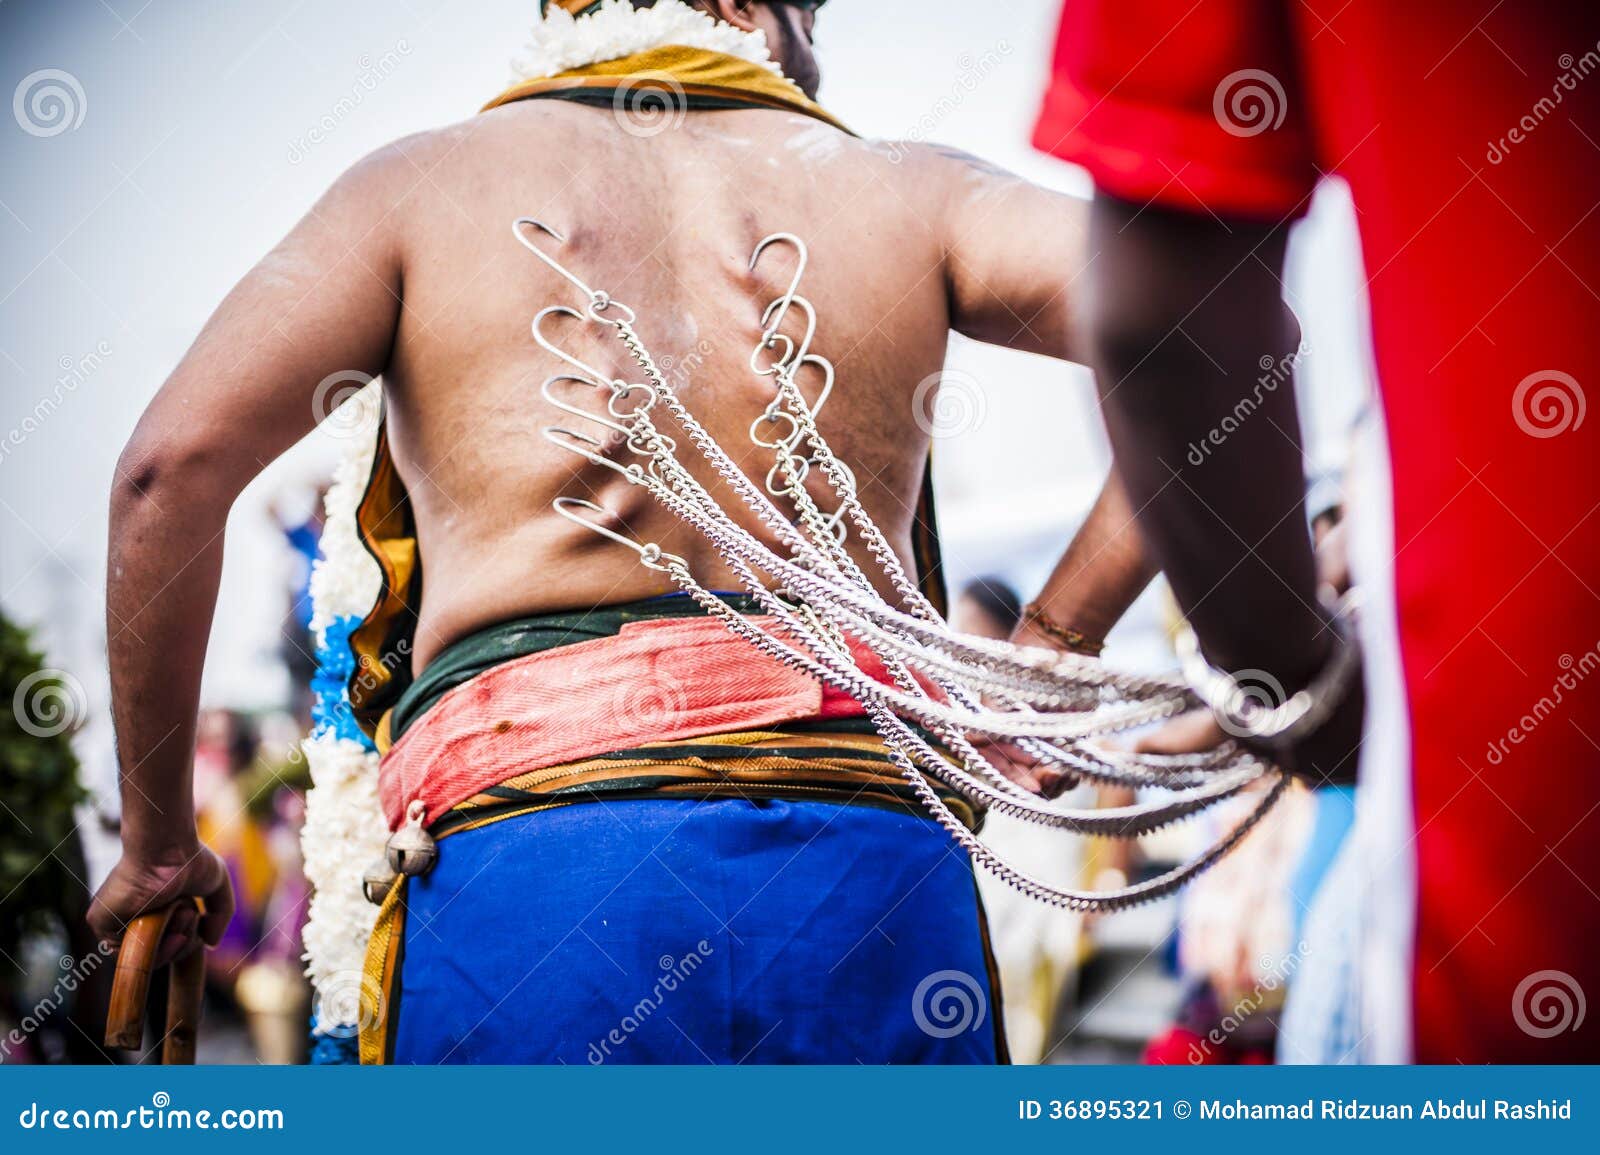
987,607
1206,130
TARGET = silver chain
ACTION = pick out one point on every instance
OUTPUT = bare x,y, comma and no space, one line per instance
953,685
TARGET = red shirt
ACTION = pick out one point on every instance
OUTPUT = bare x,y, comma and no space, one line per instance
1470,137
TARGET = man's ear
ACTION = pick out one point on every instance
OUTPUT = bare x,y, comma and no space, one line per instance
735,12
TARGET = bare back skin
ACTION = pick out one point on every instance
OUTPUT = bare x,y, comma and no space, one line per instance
666,223
407,267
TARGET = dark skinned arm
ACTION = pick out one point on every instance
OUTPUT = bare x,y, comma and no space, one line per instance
1103,571
1183,311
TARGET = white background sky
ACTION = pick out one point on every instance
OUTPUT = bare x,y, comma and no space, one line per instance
192,159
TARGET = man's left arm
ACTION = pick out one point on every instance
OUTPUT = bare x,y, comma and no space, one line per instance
1002,235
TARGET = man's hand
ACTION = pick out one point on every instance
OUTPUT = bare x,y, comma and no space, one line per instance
1023,768
1328,757
135,887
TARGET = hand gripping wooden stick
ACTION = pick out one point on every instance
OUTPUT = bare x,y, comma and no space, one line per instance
130,989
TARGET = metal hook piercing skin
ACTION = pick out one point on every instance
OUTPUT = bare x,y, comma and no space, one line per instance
794,283
650,554
599,299
634,474
796,352
597,418
826,366
590,373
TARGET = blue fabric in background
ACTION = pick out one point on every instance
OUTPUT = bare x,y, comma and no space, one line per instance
1335,815
695,931
330,709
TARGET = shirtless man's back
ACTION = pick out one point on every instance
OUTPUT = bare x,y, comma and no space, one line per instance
408,268
901,244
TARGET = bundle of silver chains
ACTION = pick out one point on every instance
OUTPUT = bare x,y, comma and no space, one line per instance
817,600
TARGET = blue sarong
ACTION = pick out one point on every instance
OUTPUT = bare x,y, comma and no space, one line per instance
697,931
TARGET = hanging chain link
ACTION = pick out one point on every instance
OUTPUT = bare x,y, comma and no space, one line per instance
820,601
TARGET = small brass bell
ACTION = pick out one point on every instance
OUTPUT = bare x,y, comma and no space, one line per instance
411,849
378,881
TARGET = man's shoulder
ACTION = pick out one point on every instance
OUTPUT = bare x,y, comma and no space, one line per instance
416,152
942,161
437,160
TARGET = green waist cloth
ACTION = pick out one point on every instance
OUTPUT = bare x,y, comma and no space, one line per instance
466,658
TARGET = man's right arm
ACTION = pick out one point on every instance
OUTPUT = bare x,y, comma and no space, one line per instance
324,302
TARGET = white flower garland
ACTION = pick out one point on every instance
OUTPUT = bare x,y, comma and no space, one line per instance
345,579
616,29
345,830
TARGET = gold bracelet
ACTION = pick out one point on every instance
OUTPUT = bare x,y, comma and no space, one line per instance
1073,640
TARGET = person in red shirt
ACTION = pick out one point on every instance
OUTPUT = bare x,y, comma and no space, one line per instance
1469,135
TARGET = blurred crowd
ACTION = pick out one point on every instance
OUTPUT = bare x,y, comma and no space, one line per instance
250,779
1196,979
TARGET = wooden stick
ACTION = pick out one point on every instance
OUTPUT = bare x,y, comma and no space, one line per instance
130,987
130,990
186,988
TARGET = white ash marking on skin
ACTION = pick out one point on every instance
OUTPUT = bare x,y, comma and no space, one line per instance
816,144
286,268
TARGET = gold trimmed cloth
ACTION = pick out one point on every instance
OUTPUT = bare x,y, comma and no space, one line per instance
700,78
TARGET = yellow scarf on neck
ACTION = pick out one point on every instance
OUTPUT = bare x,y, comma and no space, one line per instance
700,78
